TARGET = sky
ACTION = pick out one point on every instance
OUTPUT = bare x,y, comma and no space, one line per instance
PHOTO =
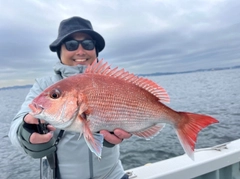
142,36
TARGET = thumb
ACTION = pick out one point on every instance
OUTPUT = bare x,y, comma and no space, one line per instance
37,138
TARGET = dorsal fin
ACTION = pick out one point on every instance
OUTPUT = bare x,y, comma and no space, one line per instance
144,83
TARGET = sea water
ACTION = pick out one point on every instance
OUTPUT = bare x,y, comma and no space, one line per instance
214,93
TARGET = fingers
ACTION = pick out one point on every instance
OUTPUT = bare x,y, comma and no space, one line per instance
30,119
36,138
122,134
117,137
111,138
51,128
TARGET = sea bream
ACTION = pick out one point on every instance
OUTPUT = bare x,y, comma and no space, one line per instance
105,98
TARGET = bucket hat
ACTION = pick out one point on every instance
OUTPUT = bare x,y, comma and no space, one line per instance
76,24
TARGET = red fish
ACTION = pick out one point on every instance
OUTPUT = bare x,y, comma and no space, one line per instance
105,98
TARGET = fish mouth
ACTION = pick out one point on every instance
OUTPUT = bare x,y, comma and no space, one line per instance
36,109
38,112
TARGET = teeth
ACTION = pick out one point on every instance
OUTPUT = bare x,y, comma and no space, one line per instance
80,60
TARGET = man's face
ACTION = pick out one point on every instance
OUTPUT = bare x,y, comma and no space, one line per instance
80,56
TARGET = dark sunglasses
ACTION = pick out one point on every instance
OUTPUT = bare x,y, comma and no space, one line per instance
72,45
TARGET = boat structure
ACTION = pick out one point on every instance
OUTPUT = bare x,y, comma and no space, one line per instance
218,162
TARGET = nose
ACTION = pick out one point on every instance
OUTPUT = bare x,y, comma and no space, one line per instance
80,50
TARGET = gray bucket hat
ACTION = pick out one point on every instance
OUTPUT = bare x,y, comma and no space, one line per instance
76,24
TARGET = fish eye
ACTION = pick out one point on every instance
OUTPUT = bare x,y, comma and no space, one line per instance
55,94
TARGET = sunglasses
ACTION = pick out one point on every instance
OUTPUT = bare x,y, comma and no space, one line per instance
72,45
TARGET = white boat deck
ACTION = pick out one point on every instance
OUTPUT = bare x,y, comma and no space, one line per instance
219,162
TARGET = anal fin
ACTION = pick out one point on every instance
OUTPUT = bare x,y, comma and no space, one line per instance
149,132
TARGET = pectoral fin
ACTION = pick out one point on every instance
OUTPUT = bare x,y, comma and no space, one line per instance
95,143
83,107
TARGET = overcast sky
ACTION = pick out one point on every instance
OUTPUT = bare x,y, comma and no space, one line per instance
142,36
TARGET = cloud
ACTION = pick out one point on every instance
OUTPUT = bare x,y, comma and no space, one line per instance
141,36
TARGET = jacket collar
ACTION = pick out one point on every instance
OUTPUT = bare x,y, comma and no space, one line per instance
66,71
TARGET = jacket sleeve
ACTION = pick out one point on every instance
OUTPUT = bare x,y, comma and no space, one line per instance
37,88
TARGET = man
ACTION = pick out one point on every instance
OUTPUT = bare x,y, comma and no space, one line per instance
77,45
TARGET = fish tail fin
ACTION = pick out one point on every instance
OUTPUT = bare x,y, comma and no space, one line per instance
188,128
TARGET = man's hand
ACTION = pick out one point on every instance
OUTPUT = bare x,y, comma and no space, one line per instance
116,137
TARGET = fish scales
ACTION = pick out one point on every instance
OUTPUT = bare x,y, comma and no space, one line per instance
116,103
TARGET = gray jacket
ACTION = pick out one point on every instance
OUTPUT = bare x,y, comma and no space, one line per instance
75,159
